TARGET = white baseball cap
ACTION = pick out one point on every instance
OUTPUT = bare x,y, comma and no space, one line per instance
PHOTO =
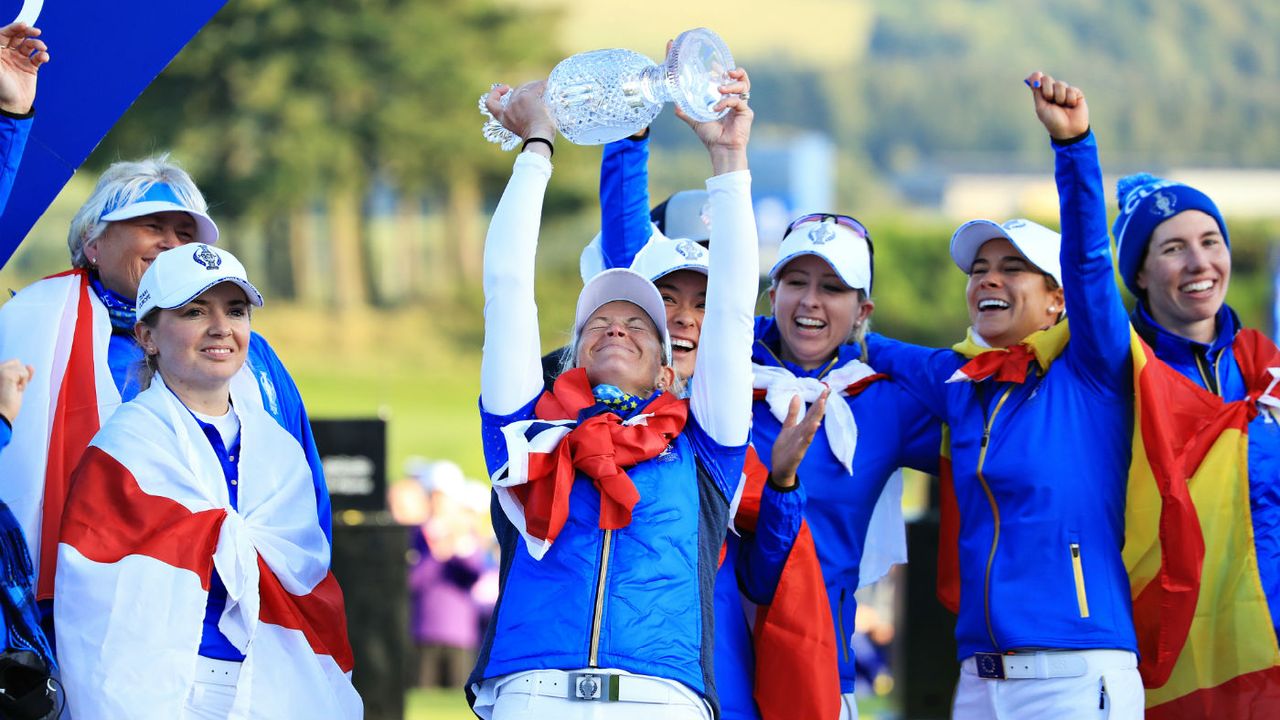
663,256
180,275
159,198
1037,243
622,284
687,214
845,250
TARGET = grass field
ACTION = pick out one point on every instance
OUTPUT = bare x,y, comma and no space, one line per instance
436,705
401,366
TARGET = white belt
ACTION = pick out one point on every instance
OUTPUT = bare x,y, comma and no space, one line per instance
217,672
600,686
1030,665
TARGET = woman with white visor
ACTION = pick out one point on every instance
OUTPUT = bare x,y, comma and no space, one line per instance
614,493
1039,417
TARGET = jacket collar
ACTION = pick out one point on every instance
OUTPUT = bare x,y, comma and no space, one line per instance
1177,350
767,350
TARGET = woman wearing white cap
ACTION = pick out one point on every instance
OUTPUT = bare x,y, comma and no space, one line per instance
821,297
614,493
76,330
770,604
193,576
1040,447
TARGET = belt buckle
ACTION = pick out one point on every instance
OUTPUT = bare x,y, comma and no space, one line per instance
990,665
594,687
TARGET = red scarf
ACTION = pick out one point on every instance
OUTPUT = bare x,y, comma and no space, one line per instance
1007,364
599,447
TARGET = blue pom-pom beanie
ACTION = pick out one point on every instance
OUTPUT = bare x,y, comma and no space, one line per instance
1146,201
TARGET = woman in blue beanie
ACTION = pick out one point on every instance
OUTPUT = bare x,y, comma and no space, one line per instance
1175,257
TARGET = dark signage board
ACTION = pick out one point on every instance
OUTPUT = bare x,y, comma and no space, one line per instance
354,455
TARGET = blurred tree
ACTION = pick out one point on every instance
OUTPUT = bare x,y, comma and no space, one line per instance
279,106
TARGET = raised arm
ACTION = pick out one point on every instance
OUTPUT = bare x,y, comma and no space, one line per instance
624,200
1099,324
510,371
721,394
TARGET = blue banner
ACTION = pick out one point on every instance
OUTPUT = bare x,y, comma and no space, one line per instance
103,54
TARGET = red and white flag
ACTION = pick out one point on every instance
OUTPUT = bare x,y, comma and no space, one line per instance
147,520
58,326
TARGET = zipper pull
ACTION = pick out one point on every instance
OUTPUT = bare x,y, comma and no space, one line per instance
985,437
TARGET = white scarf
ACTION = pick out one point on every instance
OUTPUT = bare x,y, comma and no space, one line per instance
780,385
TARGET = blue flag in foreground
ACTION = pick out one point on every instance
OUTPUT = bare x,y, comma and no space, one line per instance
104,55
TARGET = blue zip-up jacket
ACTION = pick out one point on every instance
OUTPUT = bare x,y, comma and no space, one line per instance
1040,468
1214,368
753,561
894,430
658,571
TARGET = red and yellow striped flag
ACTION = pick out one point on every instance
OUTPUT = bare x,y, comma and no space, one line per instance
1204,628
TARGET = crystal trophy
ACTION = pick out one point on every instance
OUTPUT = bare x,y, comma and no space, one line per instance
601,96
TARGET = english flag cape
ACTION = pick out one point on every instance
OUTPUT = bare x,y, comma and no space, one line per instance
59,326
794,637
148,519
1204,627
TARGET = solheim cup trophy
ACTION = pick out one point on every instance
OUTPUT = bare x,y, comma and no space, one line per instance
605,95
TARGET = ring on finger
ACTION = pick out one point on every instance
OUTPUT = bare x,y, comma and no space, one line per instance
746,96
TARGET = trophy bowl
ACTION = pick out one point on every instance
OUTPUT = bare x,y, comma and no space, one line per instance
601,96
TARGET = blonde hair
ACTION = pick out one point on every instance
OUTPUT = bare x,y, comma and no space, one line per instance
123,184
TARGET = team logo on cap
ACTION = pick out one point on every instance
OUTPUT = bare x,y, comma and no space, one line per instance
144,297
1164,204
1014,224
207,257
822,234
690,249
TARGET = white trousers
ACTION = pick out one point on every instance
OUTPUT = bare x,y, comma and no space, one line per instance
541,694
848,707
1109,688
214,691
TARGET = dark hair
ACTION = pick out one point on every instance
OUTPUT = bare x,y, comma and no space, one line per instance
149,365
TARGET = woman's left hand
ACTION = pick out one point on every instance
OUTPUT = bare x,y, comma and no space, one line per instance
1060,107
726,138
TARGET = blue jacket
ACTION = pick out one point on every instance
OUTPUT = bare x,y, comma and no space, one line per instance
657,572
894,430
753,561
1214,368
13,140
1040,468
